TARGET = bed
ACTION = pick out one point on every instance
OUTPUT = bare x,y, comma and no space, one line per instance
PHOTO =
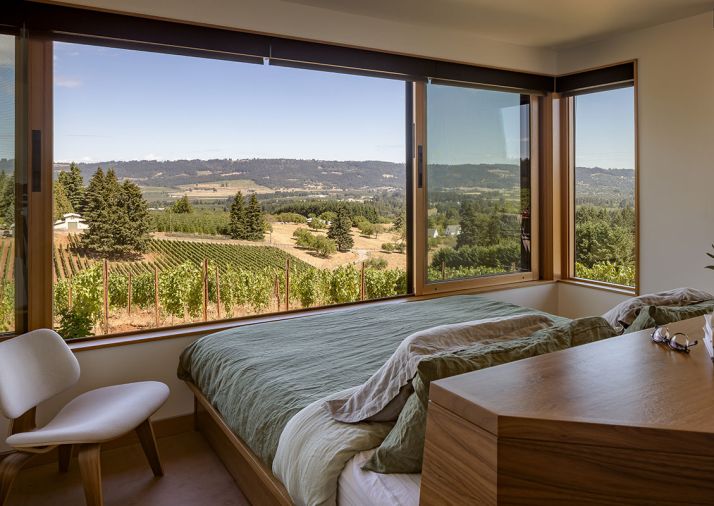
252,381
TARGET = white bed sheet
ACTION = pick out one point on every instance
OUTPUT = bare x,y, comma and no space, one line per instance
366,488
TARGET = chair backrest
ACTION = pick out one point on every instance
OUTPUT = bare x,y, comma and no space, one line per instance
33,368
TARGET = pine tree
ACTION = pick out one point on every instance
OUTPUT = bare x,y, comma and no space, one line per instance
255,224
237,226
99,215
137,212
340,231
182,206
60,203
74,187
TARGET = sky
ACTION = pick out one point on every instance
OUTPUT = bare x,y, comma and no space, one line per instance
114,104
605,129
7,97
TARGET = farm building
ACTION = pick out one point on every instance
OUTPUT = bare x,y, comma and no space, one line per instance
71,222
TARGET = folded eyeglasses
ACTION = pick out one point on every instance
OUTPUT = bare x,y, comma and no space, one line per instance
679,341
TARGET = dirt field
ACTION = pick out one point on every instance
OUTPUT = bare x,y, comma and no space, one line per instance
282,237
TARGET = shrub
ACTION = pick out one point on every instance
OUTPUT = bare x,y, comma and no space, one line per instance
344,284
75,323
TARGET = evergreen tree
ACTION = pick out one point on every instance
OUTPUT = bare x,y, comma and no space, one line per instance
100,215
117,216
255,225
73,186
137,212
237,227
182,206
340,231
60,203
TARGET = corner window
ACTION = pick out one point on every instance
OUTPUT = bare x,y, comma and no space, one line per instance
604,225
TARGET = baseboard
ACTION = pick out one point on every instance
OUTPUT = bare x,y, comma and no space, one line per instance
162,428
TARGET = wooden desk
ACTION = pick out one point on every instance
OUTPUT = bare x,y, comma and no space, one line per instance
620,421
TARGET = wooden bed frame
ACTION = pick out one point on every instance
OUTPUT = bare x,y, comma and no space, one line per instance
255,479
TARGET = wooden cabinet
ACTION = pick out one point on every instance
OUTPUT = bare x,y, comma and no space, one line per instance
621,421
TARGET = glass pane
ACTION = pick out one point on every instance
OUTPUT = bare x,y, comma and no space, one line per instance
207,187
478,182
7,183
605,186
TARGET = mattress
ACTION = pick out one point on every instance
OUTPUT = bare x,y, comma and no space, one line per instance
366,488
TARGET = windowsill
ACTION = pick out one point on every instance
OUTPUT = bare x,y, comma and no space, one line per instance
202,329
618,289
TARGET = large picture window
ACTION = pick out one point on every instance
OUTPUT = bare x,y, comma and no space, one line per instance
189,190
478,198
604,186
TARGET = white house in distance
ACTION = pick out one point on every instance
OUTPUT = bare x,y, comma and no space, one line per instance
71,222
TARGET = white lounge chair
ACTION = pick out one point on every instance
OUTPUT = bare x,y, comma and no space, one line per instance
39,365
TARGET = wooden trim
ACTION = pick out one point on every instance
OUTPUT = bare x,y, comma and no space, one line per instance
605,287
39,227
253,477
419,206
637,179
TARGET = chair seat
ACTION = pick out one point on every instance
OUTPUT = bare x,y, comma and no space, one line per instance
97,416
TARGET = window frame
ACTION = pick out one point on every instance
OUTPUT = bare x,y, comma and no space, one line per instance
567,157
125,31
422,284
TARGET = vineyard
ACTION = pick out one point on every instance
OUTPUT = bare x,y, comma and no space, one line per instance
179,281
163,254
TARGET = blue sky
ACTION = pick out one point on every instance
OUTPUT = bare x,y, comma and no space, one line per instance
113,104
7,96
123,105
605,129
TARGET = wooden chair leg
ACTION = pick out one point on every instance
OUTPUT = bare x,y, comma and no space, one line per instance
9,467
65,457
91,469
148,442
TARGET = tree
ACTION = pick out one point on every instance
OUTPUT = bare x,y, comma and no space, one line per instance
100,213
182,206
255,225
117,216
237,228
60,203
340,231
400,226
137,212
73,184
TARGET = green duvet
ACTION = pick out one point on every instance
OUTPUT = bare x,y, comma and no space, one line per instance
259,376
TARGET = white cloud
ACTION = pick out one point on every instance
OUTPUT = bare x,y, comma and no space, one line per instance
67,82
150,156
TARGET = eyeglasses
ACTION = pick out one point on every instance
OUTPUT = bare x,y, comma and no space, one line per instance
678,341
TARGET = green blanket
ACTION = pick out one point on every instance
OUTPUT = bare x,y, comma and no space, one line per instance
259,376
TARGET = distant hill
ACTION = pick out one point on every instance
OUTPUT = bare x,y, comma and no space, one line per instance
279,173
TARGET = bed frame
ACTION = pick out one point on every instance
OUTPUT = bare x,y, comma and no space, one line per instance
255,479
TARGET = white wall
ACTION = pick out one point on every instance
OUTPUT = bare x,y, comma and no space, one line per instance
575,301
676,134
297,20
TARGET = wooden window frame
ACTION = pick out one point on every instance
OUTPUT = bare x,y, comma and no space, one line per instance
566,133
551,246
419,165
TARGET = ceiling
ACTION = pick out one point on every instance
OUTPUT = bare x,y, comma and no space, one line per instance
536,23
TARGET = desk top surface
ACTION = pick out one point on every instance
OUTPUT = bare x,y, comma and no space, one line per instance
626,383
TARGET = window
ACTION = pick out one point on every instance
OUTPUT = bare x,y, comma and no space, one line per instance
478,184
8,249
604,186
191,190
